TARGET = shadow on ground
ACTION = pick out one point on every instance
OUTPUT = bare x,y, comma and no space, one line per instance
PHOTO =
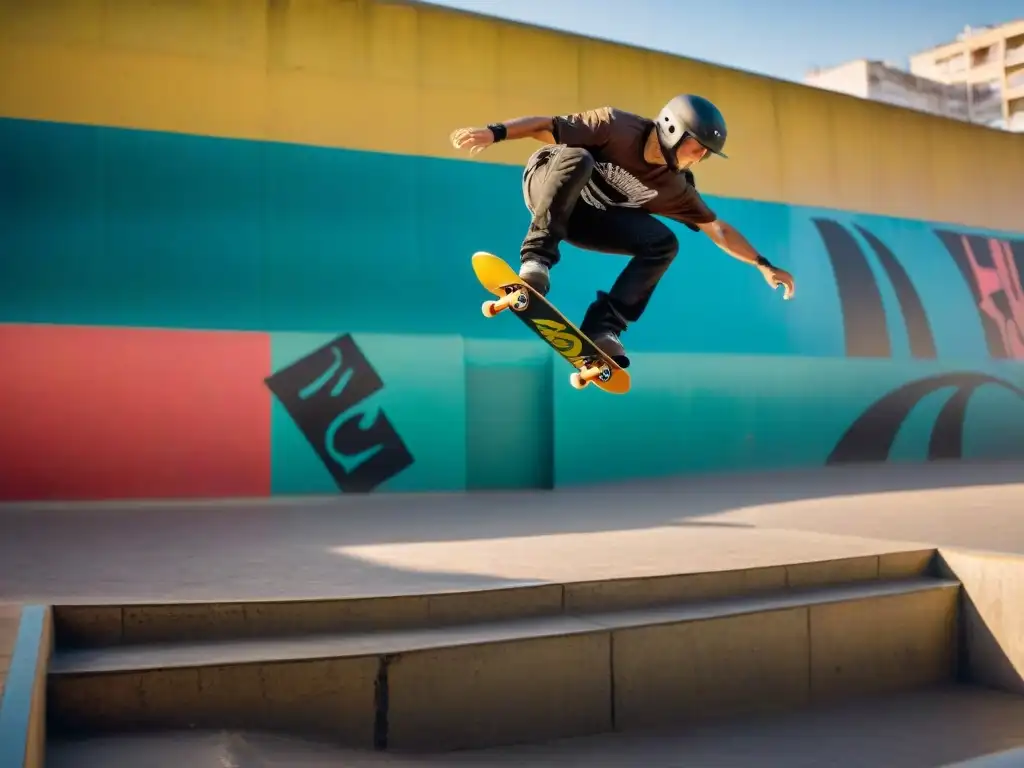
263,548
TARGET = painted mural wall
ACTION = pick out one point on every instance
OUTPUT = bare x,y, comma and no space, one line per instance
234,260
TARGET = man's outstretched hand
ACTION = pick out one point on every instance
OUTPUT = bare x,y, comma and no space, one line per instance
775,277
476,140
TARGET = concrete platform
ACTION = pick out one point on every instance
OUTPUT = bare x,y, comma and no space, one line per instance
342,546
922,729
774,639
141,570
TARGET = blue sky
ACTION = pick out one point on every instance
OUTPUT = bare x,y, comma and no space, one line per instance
781,39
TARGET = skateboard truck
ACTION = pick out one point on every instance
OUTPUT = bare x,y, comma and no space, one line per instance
517,299
581,378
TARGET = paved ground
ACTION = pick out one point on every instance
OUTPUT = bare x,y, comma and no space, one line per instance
340,545
917,730
393,544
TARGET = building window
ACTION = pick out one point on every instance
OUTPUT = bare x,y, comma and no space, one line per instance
983,56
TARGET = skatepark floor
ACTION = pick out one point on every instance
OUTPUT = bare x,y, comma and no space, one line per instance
395,544
390,544
930,727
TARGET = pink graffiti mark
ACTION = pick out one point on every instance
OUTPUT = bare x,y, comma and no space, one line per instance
1002,278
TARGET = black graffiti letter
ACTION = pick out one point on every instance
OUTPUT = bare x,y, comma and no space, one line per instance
320,392
867,334
864,319
919,330
871,436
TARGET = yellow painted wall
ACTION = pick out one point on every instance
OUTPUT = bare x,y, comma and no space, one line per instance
398,77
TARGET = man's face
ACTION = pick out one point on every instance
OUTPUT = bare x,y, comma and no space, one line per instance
689,152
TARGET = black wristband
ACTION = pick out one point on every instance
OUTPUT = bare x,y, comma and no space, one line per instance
499,130
763,262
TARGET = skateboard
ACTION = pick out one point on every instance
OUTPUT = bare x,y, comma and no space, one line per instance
539,315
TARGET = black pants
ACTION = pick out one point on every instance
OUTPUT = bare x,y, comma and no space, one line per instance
552,182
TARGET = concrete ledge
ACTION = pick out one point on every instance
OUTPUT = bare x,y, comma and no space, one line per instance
504,682
992,631
784,659
932,726
154,656
93,626
23,705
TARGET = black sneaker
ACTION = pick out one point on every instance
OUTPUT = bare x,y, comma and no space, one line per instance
535,274
608,342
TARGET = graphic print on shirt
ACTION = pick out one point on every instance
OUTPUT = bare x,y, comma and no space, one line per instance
620,189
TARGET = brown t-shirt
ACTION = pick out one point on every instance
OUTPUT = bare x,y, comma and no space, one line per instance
622,178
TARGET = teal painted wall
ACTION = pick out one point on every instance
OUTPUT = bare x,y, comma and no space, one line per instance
692,414
121,228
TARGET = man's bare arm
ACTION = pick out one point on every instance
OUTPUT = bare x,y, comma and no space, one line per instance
729,239
539,128
477,139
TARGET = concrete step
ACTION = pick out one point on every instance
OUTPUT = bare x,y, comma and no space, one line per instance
104,625
935,726
507,681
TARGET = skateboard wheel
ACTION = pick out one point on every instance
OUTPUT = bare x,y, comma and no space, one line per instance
577,381
605,374
517,300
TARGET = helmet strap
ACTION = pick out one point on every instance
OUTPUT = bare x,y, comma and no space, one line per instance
669,154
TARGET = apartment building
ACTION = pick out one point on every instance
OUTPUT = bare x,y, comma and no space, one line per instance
883,82
989,63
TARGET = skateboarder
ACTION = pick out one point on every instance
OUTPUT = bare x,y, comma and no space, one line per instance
596,182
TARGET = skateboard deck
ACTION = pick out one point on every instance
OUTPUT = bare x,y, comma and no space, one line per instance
539,315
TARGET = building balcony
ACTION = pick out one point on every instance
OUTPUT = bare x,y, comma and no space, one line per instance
1014,90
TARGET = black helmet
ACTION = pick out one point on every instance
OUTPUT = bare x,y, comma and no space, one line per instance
689,115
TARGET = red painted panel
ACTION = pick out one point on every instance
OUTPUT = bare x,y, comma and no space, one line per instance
104,413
